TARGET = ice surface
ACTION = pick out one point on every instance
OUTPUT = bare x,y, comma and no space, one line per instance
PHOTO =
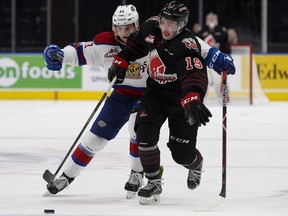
35,136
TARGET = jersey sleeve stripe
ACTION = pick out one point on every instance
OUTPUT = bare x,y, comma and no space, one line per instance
81,58
136,47
194,82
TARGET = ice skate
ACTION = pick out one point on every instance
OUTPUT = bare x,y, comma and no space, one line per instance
58,185
134,183
150,194
194,177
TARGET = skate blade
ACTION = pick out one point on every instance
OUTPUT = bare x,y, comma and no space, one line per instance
150,200
130,195
47,194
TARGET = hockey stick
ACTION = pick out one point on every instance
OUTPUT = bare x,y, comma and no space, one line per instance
222,194
224,132
47,175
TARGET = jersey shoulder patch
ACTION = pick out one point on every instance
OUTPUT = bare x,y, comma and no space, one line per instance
189,43
105,38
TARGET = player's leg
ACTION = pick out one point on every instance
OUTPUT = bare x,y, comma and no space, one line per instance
148,123
135,180
114,114
79,159
182,144
150,159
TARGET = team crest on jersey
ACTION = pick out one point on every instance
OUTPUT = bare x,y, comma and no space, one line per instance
111,53
135,70
150,39
190,43
158,69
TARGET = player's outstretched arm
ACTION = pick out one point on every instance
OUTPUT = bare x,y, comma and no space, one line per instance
215,59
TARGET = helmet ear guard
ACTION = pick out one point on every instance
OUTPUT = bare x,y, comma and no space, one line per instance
125,15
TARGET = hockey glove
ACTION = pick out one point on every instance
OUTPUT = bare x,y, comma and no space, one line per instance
53,57
195,111
118,69
219,61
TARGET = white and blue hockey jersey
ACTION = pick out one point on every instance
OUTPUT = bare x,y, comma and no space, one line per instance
100,53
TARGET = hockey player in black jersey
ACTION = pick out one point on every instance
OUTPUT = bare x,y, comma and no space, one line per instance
176,87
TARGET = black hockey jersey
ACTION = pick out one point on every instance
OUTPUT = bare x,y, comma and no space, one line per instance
175,65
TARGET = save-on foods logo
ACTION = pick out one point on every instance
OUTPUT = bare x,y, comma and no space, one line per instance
12,72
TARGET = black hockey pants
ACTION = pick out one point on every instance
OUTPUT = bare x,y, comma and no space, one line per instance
155,108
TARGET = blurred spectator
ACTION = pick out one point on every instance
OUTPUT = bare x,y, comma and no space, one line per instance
217,36
214,34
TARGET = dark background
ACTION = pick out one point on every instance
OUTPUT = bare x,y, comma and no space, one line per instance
95,16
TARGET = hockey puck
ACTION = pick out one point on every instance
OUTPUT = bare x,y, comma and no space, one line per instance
49,211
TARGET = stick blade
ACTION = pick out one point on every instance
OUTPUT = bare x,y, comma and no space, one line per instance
48,176
211,205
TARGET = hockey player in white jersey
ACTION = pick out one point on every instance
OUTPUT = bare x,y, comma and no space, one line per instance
121,104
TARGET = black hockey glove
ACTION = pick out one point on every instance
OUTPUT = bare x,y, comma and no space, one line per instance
195,111
118,69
